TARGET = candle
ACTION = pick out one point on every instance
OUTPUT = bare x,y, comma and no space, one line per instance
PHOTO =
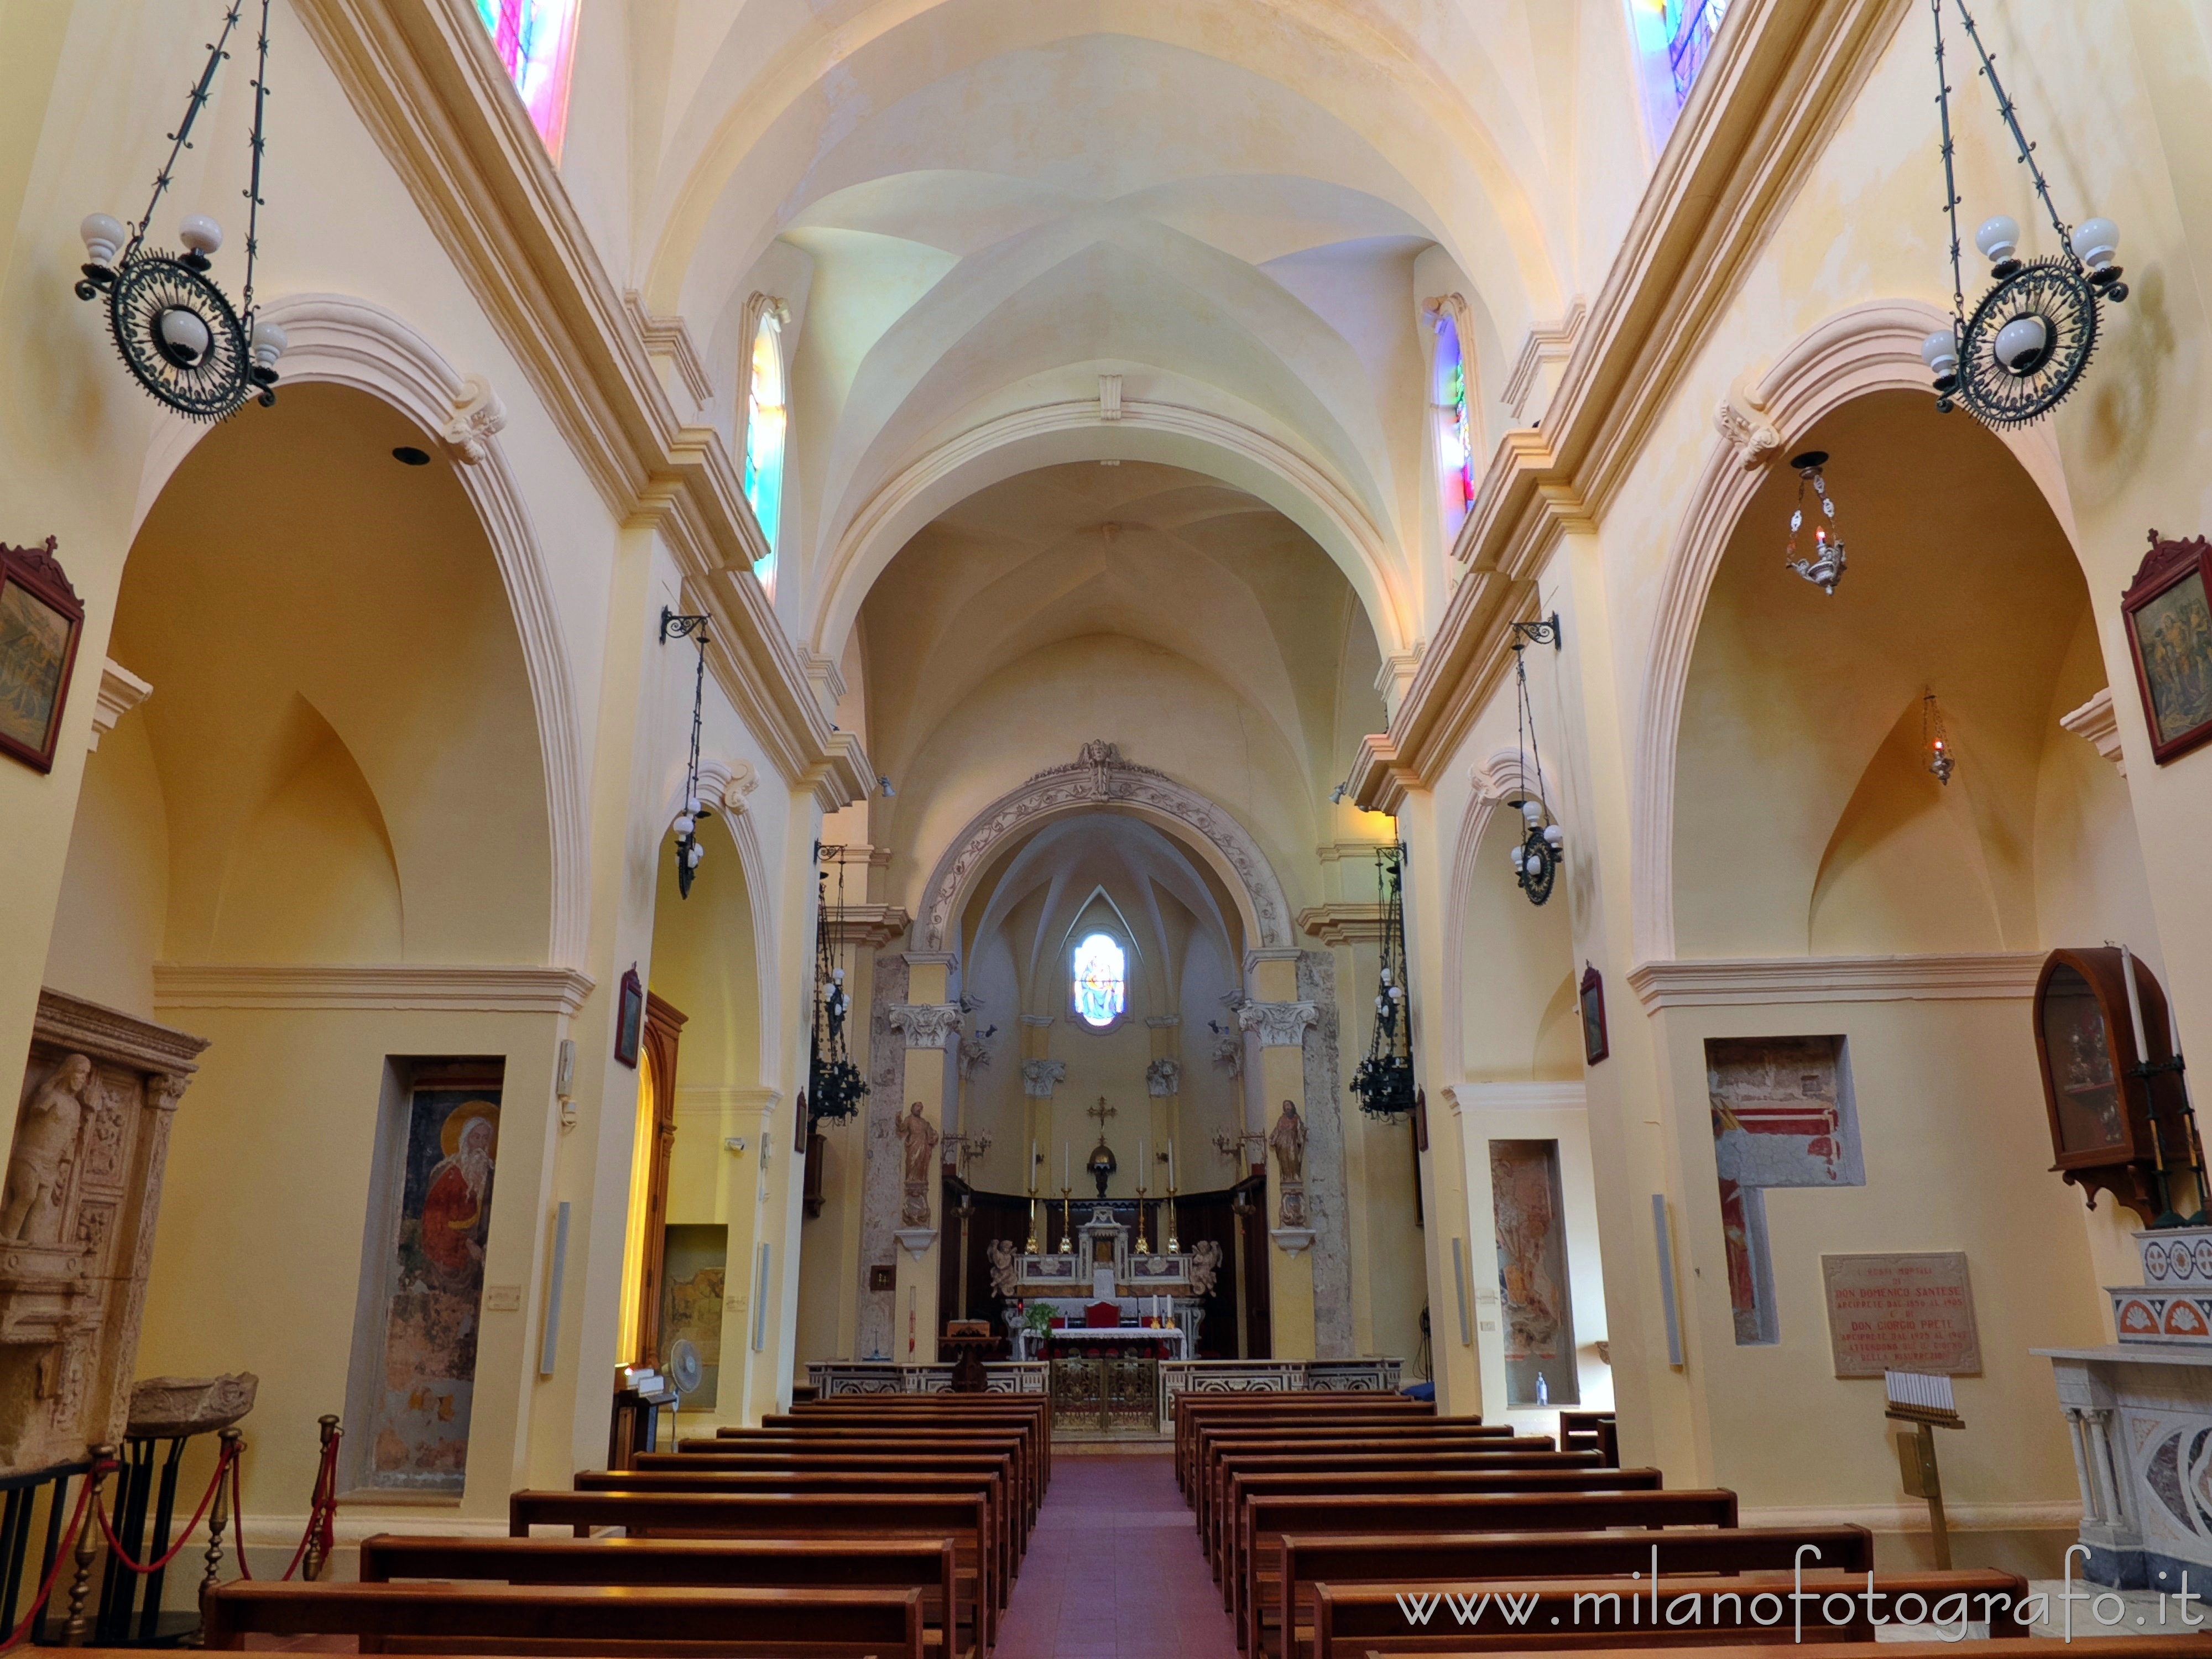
1067,1164
1140,1161
1171,1166
2134,1007
1033,1166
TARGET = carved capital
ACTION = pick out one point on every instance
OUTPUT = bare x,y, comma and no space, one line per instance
1280,1025
926,1024
1041,1077
165,1089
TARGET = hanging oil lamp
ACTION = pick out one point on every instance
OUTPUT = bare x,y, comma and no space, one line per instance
1823,562
1935,740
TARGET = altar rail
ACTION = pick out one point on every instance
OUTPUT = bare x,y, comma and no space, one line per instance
847,1377
1270,1376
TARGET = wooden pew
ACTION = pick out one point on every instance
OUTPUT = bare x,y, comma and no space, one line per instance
1210,1486
960,1517
763,1449
924,1564
1352,1620
1031,1415
1408,1518
1193,1410
1213,1443
1336,1556
1004,1532
1220,1503
1209,1433
801,1461
1244,1538
577,1619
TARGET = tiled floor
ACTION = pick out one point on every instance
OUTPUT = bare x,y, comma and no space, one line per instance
1114,1570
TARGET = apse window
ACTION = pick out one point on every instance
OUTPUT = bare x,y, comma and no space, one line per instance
1102,981
766,417
1783,1115
536,41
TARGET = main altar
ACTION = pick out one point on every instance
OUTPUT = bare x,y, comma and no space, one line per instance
1110,1315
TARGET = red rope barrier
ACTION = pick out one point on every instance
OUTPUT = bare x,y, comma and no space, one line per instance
223,1462
322,1511
68,1549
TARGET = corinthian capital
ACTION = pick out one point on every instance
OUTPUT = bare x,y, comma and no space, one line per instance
1280,1025
926,1024
1041,1077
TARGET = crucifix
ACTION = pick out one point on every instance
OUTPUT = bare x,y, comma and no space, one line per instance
1102,1111
1101,1163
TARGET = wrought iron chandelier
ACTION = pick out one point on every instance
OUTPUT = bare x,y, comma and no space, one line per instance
1384,1079
2025,344
688,851
1540,851
177,332
835,1088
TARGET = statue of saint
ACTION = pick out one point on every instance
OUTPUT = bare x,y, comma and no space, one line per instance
45,1146
921,1136
1205,1266
1289,1140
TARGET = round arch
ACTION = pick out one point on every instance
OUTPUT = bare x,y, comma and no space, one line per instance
1868,348
1098,779
351,342
1073,429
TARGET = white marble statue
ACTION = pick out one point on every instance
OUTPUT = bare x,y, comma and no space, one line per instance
1205,1266
1006,1278
45,1146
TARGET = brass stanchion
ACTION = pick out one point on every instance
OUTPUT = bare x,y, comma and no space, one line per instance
218,1518
78,1628
311,1568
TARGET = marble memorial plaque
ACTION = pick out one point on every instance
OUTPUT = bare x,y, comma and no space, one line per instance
1901,1313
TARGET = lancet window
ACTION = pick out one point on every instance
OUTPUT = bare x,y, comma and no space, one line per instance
1102,981
536,40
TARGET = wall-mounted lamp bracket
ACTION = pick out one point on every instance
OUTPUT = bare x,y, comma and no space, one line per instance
1544,631
673,627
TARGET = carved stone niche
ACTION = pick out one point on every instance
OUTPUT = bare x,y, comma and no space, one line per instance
77,1202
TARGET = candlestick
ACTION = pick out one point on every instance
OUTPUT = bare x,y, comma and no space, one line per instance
1066,1237
2134,1007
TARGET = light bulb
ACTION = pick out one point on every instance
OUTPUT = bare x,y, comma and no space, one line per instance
2021,341
2095,242
1397,993
693,853
1939,351
1386,975
269,343
684,824
185,337
200,233
1998,238
1531,811
837,975
693,807
1553,835
103,236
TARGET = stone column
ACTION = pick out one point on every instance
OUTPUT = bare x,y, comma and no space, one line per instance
1281,1022
929,1025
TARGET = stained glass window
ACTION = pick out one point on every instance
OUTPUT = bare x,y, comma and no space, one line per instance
1102,984
1455,447
537,41
765,420
1674,37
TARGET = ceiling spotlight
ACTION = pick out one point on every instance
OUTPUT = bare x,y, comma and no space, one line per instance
407,455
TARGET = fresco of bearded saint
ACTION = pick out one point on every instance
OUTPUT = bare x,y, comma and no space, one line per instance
456,1207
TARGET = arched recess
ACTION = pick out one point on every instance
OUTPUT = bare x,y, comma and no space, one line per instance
1070,431
1505,776
1868,348
352,342
1100,778
723,786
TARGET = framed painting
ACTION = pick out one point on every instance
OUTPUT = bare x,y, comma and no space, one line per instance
1595,1047
629,1018
40,618
2169,613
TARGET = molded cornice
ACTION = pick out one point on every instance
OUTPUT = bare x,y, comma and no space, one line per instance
423,78
1345,923
488,988
1761,980
1784,72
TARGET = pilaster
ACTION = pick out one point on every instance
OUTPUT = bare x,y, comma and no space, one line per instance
930,1026
1281,1022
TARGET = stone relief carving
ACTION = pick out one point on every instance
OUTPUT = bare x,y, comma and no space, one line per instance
1163,1077
926,1024
43,1160
1205,1266
1229,1053
974,1054
1041,1077
1280,1025
1006,1279
1100,774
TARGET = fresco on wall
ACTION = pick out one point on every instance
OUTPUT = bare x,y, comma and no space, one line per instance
694,1272
1532,1273
1781,1117
419,1428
